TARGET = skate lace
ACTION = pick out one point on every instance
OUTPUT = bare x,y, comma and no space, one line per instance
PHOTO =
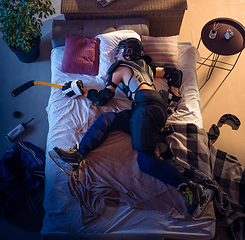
72,149
189,195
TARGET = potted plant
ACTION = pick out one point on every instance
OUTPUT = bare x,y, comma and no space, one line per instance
20,24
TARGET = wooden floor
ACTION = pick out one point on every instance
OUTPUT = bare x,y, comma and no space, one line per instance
216,98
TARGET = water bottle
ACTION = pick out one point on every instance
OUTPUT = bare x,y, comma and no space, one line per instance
17,131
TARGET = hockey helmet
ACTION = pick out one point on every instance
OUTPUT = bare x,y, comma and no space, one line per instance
132,47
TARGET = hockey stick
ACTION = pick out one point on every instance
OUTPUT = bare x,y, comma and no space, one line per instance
29,84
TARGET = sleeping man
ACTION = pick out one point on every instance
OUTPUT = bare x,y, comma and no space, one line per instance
144,121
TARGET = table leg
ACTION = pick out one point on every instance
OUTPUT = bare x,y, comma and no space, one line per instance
213,65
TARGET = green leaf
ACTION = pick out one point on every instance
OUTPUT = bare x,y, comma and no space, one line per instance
21,20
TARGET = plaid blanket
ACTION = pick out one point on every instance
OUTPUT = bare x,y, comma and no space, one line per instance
192,149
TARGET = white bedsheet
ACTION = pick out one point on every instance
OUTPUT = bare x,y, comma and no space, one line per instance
69,120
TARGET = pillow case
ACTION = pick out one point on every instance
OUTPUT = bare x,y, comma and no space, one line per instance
162,50
108,42
81,55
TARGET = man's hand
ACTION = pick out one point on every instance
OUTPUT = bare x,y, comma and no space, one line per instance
73,89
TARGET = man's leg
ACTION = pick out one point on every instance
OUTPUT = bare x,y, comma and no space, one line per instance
169,174
162,170
100,129
97,134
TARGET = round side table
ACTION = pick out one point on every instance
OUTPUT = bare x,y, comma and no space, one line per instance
222,36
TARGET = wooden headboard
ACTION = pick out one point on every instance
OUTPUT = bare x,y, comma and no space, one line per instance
164,16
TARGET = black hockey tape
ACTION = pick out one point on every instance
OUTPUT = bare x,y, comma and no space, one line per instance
22,88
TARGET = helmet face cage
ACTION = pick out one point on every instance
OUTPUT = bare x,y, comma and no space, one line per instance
132,48
116,51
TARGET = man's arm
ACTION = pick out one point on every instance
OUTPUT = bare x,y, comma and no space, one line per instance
105,95
159,72
116,79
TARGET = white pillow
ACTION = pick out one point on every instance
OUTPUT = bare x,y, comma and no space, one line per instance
108,42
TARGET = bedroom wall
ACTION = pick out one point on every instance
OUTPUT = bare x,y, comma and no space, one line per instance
217,100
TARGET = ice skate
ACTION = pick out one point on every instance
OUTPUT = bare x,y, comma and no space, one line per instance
73,155
67,168
198,197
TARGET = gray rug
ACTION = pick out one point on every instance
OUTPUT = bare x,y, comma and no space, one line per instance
31,104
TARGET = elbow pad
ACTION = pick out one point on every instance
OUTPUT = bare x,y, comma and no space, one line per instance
100,97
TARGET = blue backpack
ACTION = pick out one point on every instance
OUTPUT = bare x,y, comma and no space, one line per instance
21,174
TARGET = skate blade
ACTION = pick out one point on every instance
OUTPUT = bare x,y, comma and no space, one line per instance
67,168
205,200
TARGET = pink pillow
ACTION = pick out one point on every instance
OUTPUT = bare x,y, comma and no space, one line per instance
81,55
162,50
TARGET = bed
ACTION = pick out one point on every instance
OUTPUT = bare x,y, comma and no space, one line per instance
108,197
